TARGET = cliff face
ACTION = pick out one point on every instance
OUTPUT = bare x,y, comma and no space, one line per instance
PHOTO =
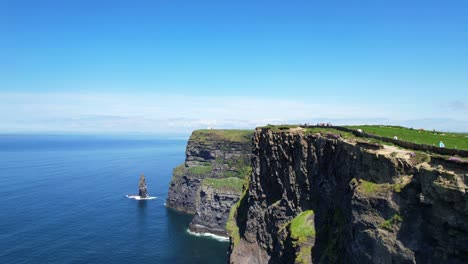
318,199
209,183
213,205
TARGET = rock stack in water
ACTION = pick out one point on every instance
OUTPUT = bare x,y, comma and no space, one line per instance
142,191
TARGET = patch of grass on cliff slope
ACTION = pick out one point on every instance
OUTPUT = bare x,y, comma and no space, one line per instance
197,171
239,168
388,224
368,187
451,140
179,171
233,135
302,226
200,170
231,224
232,183
303,256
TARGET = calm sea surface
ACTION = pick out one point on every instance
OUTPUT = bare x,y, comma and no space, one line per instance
63,201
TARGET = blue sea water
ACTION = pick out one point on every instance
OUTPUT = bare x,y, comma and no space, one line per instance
62,200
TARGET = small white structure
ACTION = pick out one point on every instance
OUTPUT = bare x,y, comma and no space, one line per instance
359,130
441,144
395,138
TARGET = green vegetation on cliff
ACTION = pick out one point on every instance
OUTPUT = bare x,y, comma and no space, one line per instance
231,225
179,170
388,224
303,256
302,231
197,171
451,140
232,135
368,187
302,226
200,170
240,171
329,131
231,183
420,136
239,167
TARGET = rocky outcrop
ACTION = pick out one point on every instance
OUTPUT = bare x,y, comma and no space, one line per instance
370,205
210,181
142,191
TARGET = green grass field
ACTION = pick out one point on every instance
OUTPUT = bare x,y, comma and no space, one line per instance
451,140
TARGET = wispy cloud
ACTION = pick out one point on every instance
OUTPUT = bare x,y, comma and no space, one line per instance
152,113
457,105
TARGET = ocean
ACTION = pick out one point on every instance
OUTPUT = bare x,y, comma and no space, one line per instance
63,201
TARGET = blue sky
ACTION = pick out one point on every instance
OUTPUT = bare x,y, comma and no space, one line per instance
162,66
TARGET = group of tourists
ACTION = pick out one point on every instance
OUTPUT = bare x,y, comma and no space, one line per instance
324,124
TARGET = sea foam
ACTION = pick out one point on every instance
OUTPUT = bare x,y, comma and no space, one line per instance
139,198
219,238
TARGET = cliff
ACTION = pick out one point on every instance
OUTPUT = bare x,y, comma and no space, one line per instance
329,198
210,181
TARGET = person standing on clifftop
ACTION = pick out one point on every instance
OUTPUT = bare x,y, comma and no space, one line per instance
441,144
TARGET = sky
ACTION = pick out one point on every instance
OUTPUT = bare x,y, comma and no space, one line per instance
174,66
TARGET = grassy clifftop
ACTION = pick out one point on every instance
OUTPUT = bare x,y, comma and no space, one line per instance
233,135
419,136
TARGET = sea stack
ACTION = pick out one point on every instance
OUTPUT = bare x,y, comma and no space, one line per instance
142,191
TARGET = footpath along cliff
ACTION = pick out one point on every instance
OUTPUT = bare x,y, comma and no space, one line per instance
316,197
210,181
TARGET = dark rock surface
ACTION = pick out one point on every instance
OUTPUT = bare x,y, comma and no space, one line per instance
210,154
182,193
213,207
370,205
142,190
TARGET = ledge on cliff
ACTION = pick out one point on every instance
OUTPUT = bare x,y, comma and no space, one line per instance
227,184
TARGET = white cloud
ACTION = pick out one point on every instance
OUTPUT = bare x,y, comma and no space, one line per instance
152,113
